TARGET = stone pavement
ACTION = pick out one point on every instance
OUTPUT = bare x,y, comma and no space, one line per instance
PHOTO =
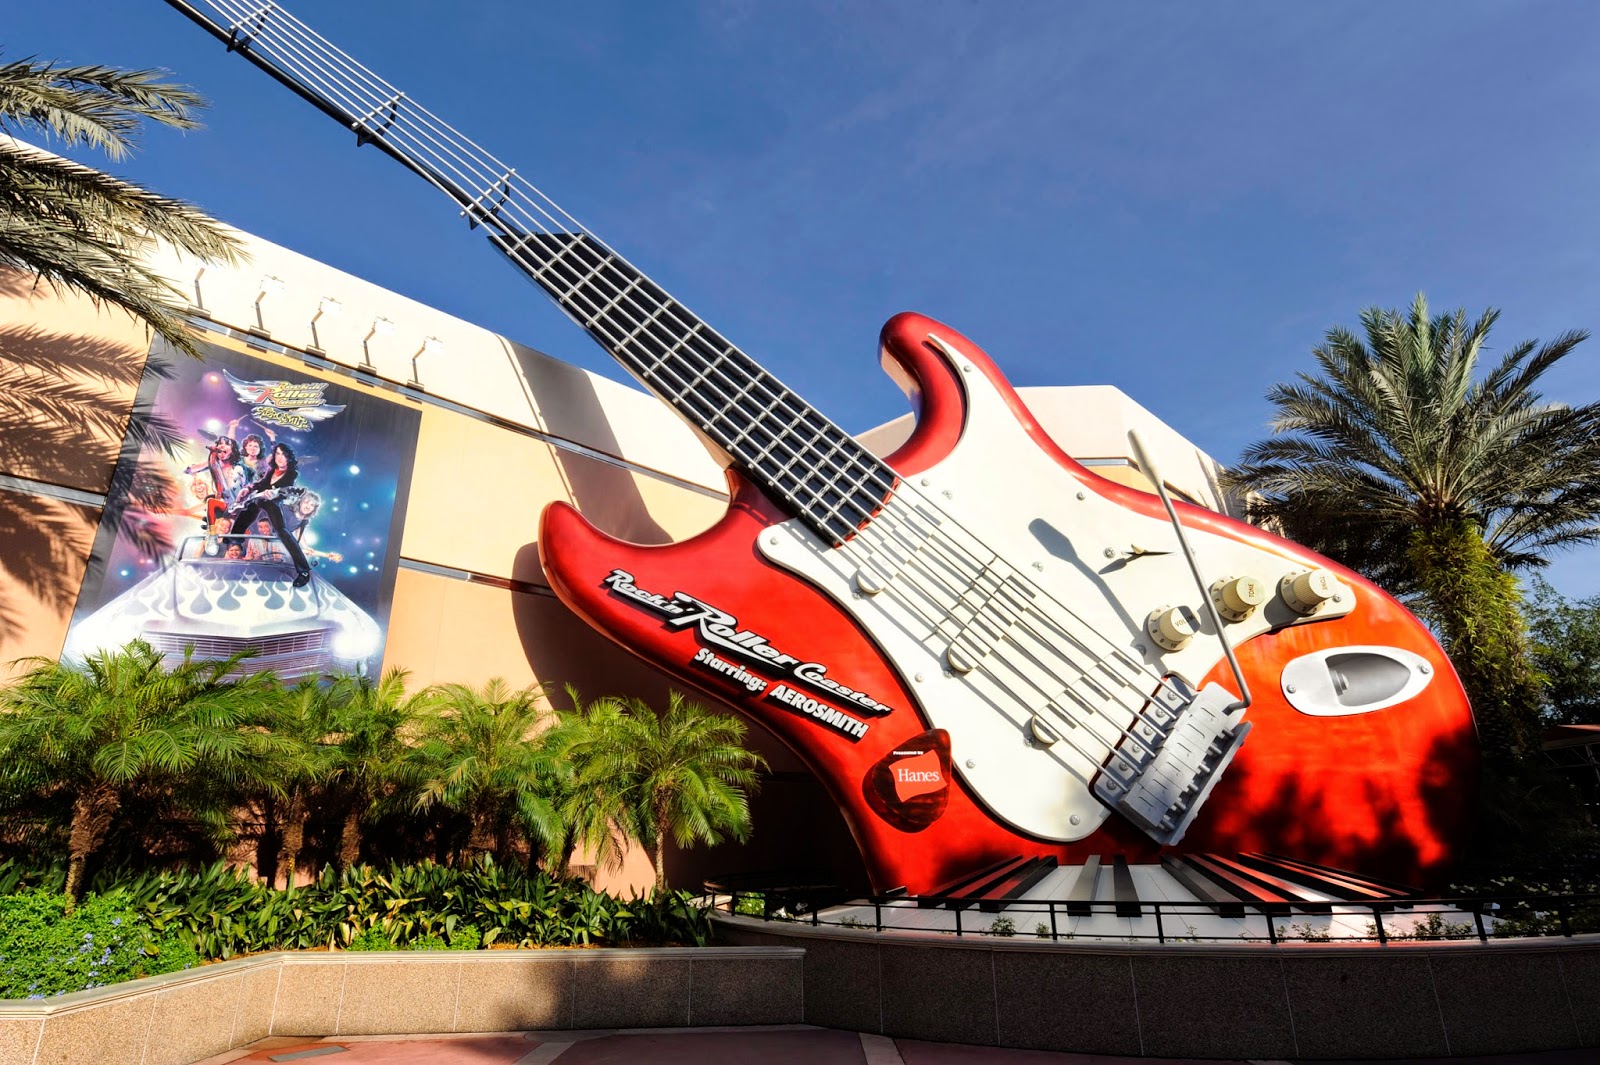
777,1045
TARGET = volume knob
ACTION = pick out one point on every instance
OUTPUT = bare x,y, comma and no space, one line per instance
1304,592
1170,626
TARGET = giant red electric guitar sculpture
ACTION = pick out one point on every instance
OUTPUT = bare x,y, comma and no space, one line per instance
983,649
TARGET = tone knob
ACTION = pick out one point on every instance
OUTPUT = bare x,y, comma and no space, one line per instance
1304,592
1238,597
1170,626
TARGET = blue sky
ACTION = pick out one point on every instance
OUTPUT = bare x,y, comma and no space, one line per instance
1175,198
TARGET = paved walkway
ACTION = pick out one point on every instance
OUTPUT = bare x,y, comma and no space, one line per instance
781,1045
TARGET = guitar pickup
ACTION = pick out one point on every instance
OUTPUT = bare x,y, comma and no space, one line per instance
1160,777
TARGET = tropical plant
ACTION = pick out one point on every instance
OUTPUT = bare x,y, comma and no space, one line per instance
584,816
48,948
371,720
1566,649
221,912
122,721
304,717
77,228
482,753
684,774
1403,460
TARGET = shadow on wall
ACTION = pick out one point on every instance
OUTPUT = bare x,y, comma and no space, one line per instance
796,824
569,408
65,403
46,547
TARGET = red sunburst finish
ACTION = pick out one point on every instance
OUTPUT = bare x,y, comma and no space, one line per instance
1387,792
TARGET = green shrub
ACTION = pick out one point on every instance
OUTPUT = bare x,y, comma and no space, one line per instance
1002,926
219,912
224,913
45,950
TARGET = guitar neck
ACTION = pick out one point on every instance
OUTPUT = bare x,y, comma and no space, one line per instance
791,450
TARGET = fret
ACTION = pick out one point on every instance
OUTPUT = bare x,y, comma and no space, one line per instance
662,359
550,264
618,298
572,290
750,420
642,326
476,210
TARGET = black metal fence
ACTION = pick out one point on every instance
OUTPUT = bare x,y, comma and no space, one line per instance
799,899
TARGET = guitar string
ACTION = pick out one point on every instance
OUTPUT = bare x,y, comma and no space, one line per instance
402,115
401,112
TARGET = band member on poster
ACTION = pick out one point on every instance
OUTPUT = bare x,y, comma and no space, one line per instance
262,499
252,455
222,462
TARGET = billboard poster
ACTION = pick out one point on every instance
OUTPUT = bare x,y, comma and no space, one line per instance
269,522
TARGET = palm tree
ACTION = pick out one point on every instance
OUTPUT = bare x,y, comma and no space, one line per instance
589,811
1402,459
78,228
304,718
123,721
684,774
482,754
370,720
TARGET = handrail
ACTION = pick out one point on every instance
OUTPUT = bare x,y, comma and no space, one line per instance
1494,917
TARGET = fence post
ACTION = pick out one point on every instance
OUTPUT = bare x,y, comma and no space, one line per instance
1377,922
1054,935
1161,936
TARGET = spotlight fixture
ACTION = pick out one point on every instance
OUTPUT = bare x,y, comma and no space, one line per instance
199,301
430,346
329,307
381,326
270,285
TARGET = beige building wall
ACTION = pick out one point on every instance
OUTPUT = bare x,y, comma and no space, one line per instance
68,374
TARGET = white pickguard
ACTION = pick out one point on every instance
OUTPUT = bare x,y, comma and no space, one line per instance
1075,598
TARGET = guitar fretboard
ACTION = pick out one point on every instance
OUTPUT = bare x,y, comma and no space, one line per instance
775,437
787,447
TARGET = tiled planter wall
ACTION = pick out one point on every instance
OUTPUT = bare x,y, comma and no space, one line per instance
1201,1000
184,1017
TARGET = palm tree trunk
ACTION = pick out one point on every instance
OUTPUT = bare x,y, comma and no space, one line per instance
294,829
1477,608
350,838
662,824
92,811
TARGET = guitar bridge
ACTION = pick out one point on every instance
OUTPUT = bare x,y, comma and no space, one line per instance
1176,753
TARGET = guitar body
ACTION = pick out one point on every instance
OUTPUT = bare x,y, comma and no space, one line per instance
937,774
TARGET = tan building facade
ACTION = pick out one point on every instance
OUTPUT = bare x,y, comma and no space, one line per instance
502,430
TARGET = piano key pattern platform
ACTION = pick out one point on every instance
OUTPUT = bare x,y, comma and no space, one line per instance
1197,897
